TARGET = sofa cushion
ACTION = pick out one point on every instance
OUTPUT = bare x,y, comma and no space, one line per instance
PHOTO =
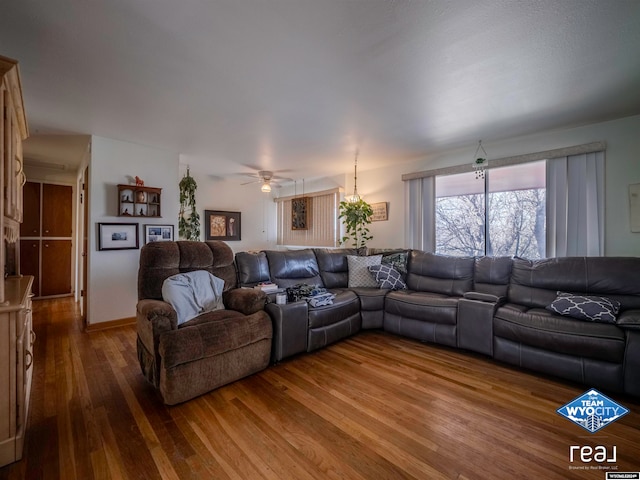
422,306
359,275
291,267
333,265
211,334
586,307
345,304
387,277
446,275
253,268
546,330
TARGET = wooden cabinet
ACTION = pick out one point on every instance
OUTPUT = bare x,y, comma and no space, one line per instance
16,357
30,262
48,210
30,226
134,201
57,209
13,130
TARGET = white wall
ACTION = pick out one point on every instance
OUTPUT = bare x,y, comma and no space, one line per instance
622,169
113,288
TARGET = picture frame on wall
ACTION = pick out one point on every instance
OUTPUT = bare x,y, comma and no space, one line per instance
300,217
158,233
118,236
220,225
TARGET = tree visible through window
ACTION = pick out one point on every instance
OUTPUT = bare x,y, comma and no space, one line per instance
502,215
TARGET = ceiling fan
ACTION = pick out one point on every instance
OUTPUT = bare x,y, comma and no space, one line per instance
267,178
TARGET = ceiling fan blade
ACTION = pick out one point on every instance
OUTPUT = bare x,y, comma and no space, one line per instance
252,181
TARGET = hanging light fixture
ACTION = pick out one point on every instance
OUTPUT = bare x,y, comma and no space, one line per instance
355,197
479,163
266,186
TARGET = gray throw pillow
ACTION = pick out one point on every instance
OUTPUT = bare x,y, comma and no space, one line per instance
359,275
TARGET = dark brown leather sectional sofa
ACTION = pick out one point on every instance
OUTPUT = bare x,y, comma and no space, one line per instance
495,306
491,305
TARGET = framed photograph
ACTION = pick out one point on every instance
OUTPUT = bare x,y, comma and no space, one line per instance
118,236
379,212
158,233
300,208
221,225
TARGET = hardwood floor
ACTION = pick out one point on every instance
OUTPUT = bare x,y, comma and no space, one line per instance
371,407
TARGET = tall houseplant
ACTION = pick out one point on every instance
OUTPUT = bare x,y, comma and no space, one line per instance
188,219
356,216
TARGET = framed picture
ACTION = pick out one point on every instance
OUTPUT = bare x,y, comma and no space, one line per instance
379,212
300,213
158,233
118,236
221,225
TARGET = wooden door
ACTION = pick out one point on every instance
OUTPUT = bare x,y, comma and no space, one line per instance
56,267
84,293
30,262
30,226
57,208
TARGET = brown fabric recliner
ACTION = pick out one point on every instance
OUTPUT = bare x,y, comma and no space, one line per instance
208,351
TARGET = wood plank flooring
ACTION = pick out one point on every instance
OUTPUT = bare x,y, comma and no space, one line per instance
374,406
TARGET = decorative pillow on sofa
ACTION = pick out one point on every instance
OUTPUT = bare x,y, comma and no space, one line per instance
397,260
586,307
387,277
359,275
193,293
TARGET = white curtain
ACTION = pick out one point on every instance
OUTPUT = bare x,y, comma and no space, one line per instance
420,224
575,205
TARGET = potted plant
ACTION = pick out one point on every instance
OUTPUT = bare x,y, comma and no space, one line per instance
188,219
356,216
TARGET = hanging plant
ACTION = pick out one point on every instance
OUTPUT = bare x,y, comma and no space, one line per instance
356,216
188,219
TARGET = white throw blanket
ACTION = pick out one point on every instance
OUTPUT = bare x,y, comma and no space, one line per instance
193,293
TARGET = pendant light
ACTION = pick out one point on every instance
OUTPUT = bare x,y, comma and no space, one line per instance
355,197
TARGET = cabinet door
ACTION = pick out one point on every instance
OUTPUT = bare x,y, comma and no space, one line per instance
30,226
30,262
56,267
56,210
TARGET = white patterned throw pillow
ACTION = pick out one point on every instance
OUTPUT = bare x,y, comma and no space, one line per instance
359,275
586,307
387,277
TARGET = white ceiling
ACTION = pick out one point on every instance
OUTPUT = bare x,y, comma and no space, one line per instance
298,85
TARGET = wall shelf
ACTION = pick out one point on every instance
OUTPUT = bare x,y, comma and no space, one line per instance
136,201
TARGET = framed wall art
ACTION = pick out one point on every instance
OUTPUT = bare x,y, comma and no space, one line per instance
300,208
221,225
118,236
158,233
380,213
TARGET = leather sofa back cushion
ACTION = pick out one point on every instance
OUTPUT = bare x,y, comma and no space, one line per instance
441,274
535,283
253,268
491,275
291,267
160,260
333,266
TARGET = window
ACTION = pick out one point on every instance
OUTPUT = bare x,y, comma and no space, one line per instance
502,215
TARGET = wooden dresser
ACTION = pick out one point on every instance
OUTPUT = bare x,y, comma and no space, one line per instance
16,366
16,332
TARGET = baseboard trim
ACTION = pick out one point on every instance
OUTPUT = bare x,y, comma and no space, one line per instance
122,322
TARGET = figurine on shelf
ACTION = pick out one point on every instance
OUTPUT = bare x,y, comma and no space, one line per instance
139,182
125,198
141,212
126,212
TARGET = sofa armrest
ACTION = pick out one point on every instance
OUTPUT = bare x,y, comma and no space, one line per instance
485,297
629,320
154,317
245,300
